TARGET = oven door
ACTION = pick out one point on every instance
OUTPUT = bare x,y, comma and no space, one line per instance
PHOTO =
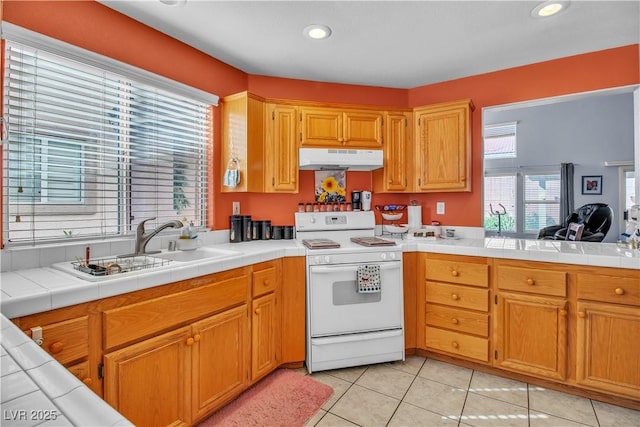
335,307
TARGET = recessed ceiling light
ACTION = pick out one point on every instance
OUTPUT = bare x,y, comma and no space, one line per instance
549,8
317,31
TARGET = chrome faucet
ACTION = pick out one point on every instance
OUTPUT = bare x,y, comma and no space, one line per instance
142,239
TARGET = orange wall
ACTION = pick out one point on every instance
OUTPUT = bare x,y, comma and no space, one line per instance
93,26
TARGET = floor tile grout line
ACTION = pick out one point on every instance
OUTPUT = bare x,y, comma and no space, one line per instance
407,390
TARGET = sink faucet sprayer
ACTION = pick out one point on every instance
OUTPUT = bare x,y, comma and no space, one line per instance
142,239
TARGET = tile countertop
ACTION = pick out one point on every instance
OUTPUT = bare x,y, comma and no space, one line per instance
37,390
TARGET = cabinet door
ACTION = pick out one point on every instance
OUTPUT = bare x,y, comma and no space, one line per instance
395,153
532,335
443,147
220,359
321,127
282,150
608,348
149,382
265,331
363,129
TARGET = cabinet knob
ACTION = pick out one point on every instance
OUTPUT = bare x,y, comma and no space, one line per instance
455,344
454,321
619,291
582,314
87,381
56,347
455,297
190,341
257,311
266,282
563,312
531,282
455,273
196,337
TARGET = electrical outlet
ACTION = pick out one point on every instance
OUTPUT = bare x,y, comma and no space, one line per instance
236,208
440,208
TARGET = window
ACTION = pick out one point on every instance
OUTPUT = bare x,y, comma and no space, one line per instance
500,141
91,153
527,201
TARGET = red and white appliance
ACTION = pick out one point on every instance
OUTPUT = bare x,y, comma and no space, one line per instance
355,310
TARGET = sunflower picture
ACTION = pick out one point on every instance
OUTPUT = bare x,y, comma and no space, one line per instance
330,186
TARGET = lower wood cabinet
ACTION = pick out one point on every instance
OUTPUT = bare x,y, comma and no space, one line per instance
532,335
608,332
531,319
264,331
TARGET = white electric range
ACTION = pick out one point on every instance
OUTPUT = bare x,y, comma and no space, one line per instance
350,321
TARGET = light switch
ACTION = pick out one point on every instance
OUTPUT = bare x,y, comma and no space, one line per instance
236,208
440,208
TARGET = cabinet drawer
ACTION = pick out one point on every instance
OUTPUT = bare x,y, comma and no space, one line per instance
264,281
457,343
615,289
136,321
532,280
458,296
464,273
458,320
66,341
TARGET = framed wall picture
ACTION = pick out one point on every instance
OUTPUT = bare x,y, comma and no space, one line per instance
592,184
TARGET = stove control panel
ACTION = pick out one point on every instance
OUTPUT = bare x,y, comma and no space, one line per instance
371,257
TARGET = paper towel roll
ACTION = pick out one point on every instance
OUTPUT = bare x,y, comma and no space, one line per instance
415,216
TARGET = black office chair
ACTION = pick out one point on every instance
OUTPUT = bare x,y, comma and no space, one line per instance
596,217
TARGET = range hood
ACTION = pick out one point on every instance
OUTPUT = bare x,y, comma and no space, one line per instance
339,158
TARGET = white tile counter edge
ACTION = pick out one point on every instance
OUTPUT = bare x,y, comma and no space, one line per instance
37,389
34,290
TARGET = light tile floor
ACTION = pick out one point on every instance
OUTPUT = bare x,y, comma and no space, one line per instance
426,392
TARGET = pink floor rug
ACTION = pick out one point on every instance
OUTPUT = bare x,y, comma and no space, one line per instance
285,398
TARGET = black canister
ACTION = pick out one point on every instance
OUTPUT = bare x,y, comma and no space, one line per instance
276,232
265,230
235,230
287,232
246,228
356,200
256,229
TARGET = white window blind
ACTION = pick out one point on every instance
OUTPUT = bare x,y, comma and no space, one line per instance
500,141
91,153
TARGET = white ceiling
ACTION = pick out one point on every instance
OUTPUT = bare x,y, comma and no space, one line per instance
398,44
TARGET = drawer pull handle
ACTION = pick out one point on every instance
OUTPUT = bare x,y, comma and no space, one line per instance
455,297
196,337
454,321
266,282
531,282
190,341
56,347
582,314
619,291
455,344
455,273
87,381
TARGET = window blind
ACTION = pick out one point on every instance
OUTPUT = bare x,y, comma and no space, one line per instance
91,153
500,140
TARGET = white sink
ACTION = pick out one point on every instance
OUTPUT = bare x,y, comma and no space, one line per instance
203,253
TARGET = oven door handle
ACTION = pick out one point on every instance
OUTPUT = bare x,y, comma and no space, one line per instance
366,336
334,269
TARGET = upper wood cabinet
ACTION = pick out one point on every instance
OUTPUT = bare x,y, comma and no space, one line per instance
243,135
443,147
333,127
281,168
394,176
259,140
